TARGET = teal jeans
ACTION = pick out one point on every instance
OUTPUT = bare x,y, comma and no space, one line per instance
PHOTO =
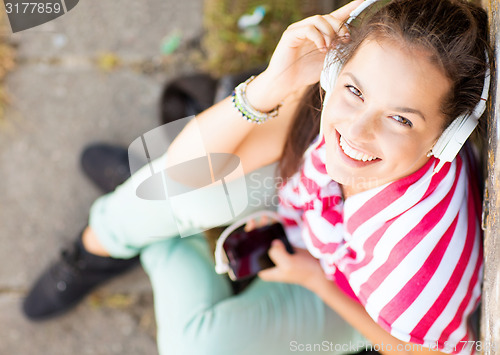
196,310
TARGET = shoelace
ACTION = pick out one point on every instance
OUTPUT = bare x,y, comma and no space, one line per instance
69,267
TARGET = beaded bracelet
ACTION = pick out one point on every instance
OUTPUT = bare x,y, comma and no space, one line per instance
249,113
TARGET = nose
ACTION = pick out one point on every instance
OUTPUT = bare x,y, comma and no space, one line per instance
363,125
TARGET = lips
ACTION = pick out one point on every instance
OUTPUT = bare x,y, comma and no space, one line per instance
352,154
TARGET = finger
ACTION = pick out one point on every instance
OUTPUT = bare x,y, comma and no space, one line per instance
271,274
301,251
250,225
264,221
259,222
343,13
311,33
340,30
322,25
328,30
267,274
278,254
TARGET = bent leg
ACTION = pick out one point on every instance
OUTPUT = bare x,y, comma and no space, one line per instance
197,313
125,223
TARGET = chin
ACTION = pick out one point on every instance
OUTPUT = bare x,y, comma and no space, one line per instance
337,172
356,183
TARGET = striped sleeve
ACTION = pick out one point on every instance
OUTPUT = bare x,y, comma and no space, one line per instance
290,211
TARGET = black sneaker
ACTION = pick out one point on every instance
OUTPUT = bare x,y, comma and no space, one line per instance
69,279
106,165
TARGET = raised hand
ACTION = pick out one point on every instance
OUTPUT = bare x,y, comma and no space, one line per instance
298,58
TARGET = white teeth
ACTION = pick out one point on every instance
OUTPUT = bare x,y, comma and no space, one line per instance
353,153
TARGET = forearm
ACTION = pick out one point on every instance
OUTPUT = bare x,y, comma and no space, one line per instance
221,129
355,314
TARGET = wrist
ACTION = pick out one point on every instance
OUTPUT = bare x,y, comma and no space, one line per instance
250,113
317,284
264,94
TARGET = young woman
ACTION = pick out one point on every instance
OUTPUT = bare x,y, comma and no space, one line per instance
387,251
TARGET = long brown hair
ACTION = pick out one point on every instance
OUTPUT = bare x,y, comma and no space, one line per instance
303,130
454,32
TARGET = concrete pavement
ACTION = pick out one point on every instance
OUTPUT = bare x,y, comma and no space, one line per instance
63,99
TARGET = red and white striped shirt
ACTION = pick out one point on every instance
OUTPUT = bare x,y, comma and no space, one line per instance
409,251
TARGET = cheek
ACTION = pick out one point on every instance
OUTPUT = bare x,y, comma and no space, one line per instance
404,152
335,112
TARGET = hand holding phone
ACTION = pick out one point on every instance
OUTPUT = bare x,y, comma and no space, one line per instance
243,254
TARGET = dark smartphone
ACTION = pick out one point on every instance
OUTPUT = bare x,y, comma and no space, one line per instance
247,251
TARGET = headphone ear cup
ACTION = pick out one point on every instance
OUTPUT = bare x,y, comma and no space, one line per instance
329,74
444,138
453,138
325,72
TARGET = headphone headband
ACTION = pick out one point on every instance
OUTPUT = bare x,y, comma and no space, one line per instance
355,13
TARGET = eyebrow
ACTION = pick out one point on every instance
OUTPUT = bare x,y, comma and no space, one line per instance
410,110
358,84
401,109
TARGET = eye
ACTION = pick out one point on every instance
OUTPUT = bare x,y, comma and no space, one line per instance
355,91
402,120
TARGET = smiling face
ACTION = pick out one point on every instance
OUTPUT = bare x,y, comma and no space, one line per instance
383,115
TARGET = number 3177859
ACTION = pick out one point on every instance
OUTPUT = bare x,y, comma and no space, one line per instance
33,7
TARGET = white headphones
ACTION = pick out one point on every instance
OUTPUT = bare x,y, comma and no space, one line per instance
452,139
